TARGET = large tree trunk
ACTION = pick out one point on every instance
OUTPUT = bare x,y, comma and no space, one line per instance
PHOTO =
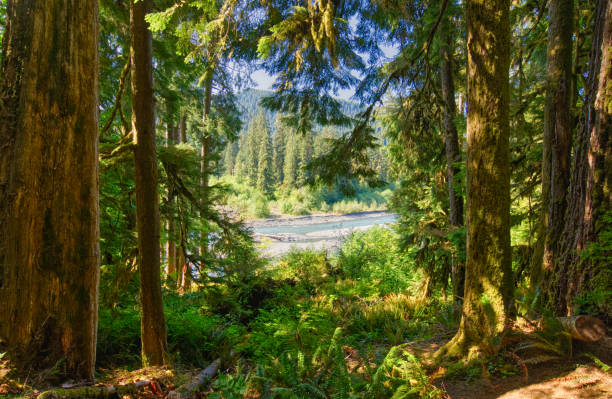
453,154
49,230
557,137
153,326
590,194
488,280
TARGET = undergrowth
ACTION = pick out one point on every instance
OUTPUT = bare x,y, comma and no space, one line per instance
309,325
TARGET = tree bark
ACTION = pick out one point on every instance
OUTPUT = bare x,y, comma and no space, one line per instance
488,280
153,325
171,243
590,193
453,154
557,137
49,228
584,328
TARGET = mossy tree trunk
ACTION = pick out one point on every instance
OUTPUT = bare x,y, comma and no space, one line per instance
153,325
49,229
590,194
488,275
453,154
557,137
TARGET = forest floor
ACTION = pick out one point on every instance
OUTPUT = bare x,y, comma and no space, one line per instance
350,324
567,378
575,378
564,379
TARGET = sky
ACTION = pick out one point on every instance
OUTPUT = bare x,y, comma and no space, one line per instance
264,81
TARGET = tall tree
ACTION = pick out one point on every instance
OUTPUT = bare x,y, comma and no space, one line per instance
278,149
585,261
557,136
488,259
153,325
171,253
290,163
264,163
453,154
49,231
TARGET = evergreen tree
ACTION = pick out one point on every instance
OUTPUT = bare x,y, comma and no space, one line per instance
488,280
256,131
557,136
290,163
153,325
305,152
229,158
49,225
278,149
264,164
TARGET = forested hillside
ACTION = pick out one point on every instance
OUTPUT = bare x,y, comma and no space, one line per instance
138,166
269,162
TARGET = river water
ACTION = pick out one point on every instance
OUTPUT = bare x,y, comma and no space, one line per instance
279,236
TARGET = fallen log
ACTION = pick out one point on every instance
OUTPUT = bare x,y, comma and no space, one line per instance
95,391
584,328
188,390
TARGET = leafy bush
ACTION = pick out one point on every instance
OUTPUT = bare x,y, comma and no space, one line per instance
246,199
258,207
373,256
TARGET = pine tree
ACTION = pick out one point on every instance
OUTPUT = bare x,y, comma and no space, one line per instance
290,164
278,149
264,164
257,129
305,151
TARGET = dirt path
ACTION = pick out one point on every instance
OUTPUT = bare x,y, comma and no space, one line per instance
559,380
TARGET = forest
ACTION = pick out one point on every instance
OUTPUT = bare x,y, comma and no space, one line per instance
139,144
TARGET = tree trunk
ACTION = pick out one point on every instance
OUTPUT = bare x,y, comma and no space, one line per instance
171,243
590,193
557,137
153,326
584,328
205,154
453,154
49,229
488,280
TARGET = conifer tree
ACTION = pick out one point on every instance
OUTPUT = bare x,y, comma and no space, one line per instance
488,280
49,226
278,149
153,325
290,163
304,157
264,164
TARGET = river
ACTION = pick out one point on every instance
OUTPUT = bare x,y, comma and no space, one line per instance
277,236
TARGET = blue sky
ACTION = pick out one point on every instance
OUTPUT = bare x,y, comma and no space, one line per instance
264,81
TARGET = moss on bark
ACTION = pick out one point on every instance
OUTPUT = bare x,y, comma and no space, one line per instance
488,281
